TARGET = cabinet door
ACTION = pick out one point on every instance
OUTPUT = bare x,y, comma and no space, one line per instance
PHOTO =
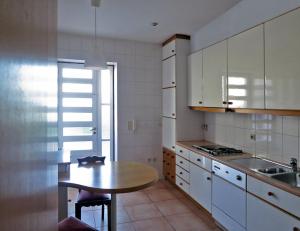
169,49
215,75
282,36
168,133
263,216
169,102
169,72
246,81
195,79
200,186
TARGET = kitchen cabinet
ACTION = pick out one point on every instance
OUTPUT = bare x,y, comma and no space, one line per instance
169,102
169,165
246,82
200,186
263,216
169,133
215,75
195,80
282,55
169,70
174,93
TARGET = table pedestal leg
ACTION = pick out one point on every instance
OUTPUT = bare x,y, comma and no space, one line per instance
113,212
62,203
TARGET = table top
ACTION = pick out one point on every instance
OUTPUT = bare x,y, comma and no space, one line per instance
111,177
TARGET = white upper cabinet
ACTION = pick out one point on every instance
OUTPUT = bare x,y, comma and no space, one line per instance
215,75
282,58
246,82
169,72
195,79
169,49
169,102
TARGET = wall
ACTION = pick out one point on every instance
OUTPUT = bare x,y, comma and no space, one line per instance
276,137
139,90
244,15
28,167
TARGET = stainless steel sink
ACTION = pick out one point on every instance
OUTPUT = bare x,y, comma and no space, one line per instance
291,178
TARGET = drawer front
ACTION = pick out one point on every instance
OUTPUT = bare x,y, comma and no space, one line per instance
200,161
183,174
183,152
183,163
182,184
169,49
273,195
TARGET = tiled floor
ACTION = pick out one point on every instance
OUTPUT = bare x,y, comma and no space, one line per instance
159,208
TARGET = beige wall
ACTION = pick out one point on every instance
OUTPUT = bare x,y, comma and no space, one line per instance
28,172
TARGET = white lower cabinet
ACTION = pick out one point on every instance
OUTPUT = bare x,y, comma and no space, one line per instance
265,217
200,186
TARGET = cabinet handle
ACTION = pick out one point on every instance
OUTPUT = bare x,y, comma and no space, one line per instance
230,103
227,172
173,147
238,177
180,151
271,194
173,82
217,167
199,160
173,114
208,178
180,173
200,102
172,157
224,102
173,51
180,162
180,184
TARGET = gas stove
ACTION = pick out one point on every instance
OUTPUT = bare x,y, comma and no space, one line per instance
218,150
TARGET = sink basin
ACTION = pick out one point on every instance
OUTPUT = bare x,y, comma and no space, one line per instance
291,178
275,170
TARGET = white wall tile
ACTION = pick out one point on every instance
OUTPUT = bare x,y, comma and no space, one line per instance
275,147
291,125
290,148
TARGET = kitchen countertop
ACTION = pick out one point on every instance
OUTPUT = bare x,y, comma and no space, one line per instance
226,160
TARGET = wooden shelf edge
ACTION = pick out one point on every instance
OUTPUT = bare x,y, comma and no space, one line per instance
278,112
176,36
208,109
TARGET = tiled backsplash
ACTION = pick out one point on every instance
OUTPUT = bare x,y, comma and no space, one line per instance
273,137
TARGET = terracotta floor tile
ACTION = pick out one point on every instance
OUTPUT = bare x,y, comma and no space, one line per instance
187,222
160,195
171,207
87,217
120,227
133,198
154,224
143,211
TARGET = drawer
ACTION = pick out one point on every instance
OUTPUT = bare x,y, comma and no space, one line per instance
182,184
200,161
183,152
183,174
274,195
183,163
169,49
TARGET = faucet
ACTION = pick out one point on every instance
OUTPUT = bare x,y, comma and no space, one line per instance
294,164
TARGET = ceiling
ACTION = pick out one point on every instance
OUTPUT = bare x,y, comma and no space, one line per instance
131,19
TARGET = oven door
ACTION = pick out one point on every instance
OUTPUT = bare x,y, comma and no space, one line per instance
228,204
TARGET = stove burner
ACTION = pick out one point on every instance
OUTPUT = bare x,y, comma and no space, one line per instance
217,150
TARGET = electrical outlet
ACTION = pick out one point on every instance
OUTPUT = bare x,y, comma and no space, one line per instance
252,136
204,127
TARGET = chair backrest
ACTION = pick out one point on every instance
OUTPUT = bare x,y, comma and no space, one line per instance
91,160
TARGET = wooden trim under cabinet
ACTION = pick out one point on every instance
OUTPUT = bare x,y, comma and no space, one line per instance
278,112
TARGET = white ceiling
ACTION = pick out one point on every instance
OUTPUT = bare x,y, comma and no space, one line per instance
131,19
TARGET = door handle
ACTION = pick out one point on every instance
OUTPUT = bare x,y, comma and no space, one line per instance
94,130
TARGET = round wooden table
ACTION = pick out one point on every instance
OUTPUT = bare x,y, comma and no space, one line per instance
112,177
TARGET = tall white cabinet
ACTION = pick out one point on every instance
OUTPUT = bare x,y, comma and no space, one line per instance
282,36
178,121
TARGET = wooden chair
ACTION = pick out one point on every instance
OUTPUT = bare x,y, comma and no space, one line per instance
86,198
73,224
